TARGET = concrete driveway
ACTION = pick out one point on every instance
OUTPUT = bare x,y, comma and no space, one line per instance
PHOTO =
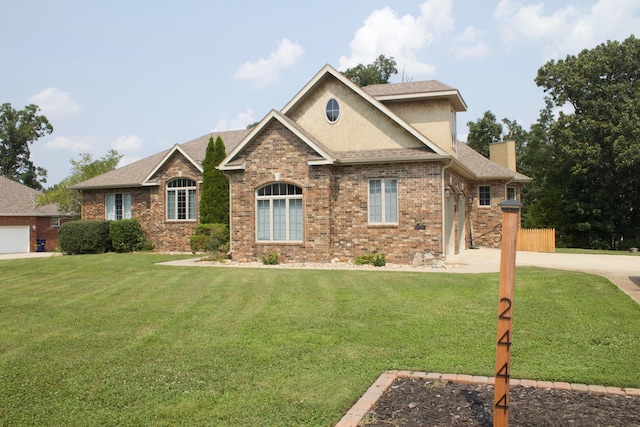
623,270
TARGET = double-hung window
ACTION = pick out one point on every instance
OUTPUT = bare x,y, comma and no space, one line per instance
118,206
279,213
383,201
484,195
181,199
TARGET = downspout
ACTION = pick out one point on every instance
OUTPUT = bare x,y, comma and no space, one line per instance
443,216
230,253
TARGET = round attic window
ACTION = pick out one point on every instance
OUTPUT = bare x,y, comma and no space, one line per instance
333,110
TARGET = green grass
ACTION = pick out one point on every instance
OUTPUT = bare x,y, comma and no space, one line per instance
594,252
115,340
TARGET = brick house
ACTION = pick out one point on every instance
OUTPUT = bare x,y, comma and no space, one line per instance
338,172
23,222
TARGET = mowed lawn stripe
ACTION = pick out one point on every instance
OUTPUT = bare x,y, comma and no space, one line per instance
116,340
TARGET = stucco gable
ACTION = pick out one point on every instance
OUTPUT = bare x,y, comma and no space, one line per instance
364,124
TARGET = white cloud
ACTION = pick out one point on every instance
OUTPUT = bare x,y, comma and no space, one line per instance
469,44
241,121
55,103
267,71
385,33
566,31
128,143
67,143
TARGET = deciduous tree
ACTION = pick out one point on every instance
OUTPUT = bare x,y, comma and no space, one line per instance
19,129
378,72
82,169
596,147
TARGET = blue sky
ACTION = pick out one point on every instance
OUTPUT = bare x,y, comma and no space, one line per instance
140,76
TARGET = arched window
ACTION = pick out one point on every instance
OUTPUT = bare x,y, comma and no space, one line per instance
181,199
279,213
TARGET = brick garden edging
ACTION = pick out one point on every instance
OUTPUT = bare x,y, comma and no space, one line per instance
371,396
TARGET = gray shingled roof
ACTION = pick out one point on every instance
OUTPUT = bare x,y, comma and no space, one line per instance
134,174
407,88
483,168
19,200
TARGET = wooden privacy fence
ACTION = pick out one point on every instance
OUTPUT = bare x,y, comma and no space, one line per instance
537,239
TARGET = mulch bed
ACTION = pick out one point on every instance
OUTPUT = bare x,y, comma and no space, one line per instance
419,402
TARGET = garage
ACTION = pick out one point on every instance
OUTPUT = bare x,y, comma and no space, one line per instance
14,239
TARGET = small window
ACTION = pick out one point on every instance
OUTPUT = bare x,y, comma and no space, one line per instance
484,195
55,221
454,130
383,201
511,193
118,206
333,111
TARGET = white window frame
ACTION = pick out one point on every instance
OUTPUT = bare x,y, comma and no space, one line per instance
334,111
293,225
172,201
454,130
111,207
512,193
480,198
388,201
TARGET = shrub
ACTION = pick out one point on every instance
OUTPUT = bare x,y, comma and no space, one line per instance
127,235
84,237
271,258
212,238
373,258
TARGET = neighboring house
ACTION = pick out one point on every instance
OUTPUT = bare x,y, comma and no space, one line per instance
23,223
338,172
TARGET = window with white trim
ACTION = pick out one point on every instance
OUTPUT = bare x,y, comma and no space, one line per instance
511,193
181,199
118,206
454,130
332,111
484,195
279,213
383,201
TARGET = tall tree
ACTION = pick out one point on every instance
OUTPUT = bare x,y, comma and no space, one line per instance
483,133
214,201
82,169
378,72
18,129
597,146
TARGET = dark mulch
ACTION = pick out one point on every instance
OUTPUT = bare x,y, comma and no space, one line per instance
418,402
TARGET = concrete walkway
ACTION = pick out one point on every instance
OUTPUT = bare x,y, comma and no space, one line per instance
622,270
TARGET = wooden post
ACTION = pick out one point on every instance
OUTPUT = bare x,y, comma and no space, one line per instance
510,225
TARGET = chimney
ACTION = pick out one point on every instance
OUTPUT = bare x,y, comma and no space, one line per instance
504,153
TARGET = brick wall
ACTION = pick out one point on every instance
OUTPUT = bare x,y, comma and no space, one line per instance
39,228
335,204
487,220
148,206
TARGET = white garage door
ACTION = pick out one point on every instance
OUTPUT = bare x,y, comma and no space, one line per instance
14,240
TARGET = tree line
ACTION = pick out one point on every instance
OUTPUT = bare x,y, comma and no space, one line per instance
583,152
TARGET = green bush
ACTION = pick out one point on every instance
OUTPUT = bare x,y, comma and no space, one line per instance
127,235
84,237
212,238
373,258
271,258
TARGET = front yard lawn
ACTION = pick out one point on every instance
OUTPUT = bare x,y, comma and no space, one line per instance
115,340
